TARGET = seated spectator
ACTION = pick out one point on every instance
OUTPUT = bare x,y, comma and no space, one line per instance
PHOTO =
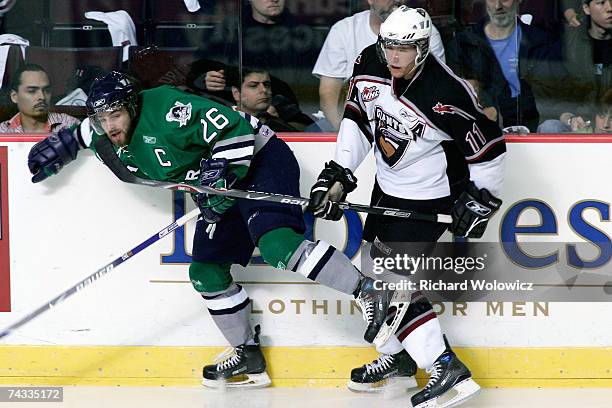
588,56
345,41
519,70
202,70
31,91
253,95
272,39
591,118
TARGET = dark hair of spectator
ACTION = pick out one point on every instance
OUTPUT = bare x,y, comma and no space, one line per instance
233,76
16,79
604,104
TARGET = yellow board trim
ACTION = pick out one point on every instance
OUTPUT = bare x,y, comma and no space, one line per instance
290,366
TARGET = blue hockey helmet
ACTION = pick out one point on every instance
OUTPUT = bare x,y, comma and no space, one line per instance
109,93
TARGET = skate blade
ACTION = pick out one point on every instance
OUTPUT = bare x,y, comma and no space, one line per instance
457,395
383,385
386,331
243,381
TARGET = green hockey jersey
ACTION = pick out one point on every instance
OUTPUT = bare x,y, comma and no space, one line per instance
176,129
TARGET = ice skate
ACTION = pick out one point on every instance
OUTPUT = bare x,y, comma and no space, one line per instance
385,370
374,305
243,366
400,302
450,384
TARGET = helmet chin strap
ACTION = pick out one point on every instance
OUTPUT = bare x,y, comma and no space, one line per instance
414,68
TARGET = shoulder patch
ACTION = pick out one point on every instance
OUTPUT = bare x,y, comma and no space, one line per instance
180,113
370,93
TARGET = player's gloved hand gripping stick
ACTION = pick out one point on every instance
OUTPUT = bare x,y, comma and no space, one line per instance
213,173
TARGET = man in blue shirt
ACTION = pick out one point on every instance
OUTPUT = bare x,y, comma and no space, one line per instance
518,72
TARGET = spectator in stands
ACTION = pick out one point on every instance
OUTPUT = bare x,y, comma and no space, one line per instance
272,39
591,118
201,78
345,41
31,91
588,60
253,95
513,61
588,53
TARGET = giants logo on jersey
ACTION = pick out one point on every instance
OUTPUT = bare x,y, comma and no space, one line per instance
370,93
392,137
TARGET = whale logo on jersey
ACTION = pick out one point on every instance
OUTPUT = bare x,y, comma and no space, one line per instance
392,137
370,93
180,113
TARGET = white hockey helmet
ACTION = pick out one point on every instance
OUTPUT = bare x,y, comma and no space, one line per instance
406,26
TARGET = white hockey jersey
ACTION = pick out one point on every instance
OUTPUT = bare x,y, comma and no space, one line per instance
429,134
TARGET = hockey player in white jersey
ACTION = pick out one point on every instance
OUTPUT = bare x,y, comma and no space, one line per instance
435,152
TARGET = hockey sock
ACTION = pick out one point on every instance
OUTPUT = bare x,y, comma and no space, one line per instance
392,346
277,246
420,332
321,262
227,302
210,277
230,312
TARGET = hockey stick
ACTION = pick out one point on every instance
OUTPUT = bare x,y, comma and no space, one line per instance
107,153
101,272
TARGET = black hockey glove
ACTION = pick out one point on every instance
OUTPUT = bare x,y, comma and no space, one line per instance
213,173
48,156
472,210
333,184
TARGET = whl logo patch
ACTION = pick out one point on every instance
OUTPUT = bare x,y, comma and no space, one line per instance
370,93
180,113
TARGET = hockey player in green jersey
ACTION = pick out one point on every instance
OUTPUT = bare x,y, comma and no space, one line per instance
170,135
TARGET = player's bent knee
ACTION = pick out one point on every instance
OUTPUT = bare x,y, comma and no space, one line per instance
210,277
277,246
